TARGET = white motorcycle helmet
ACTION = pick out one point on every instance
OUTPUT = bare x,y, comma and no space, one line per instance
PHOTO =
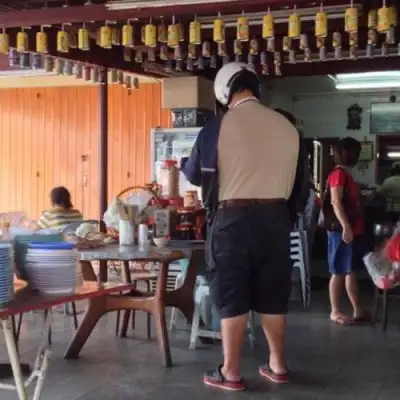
228,75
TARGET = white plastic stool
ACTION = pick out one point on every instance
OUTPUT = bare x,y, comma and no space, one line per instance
202,297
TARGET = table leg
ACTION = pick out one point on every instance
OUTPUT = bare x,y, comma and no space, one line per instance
88,271
132,301
14,358
103,271
96,309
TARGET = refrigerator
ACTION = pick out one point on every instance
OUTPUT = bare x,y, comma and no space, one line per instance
172,144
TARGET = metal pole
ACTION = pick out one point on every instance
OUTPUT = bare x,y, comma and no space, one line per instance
103,104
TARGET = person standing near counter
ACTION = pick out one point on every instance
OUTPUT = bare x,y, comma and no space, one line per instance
390,188
345,226
250,167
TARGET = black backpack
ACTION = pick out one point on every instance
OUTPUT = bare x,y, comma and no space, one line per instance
297,201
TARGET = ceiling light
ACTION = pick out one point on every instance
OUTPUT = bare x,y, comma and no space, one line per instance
367,85
367,75
393,154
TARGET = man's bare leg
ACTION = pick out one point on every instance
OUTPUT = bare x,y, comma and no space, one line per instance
274,327
232,332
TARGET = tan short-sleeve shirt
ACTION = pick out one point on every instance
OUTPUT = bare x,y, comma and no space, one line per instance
257,153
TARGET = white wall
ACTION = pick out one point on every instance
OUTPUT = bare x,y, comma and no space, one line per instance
323,110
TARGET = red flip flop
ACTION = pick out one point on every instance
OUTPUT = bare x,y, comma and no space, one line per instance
267,373
217,380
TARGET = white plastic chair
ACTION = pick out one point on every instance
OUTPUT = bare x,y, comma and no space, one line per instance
300,255
73,226
203,300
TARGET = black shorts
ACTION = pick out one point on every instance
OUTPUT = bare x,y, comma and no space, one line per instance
248,255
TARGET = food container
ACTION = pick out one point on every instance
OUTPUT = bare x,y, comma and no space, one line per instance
185,232
126,232
143,234
162,219
191,198
187,215
169,179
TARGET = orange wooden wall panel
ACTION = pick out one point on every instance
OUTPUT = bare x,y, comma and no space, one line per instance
50,137
132,115
43,135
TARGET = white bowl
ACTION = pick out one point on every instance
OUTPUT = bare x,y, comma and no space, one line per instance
160,242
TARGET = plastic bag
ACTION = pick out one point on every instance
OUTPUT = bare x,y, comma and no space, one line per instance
111,216
140,200
384,272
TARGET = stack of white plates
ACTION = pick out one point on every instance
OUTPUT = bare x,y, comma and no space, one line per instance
52,267
6,273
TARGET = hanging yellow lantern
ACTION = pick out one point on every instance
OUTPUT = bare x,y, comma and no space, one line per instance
22,42
41,42
392,15
150,35
294,26
351,20
162,33
383,24
105,37
219,31
242,29
173,36
4,42
83,39
372,19
268,26
321,24
127,35
62,42
195,33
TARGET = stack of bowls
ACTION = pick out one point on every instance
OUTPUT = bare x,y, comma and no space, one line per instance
52,267
6,273
21,243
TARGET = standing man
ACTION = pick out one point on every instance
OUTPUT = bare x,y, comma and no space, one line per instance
245,162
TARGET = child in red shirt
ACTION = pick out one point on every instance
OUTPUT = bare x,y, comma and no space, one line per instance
345,243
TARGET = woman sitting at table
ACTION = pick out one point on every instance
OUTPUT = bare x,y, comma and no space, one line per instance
62,211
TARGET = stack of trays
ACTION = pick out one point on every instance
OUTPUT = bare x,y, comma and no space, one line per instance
52,267
6,273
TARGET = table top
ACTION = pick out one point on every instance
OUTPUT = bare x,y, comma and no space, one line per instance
28,300
118,252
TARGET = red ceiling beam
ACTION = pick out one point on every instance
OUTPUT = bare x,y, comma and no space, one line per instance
99,12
